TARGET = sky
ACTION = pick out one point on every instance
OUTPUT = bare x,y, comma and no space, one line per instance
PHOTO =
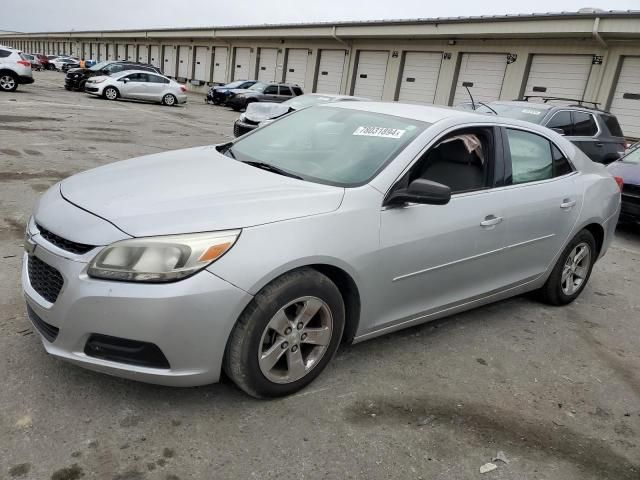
63,15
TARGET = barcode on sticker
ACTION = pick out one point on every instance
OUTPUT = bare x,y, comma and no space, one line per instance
379,132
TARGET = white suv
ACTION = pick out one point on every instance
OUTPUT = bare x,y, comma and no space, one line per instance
15,69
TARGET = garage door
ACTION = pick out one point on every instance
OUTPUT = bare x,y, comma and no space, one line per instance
183,61
154,57
102,51
626,97
241,64
559,75
169,61
131,52
372,69
86,51
111,51
486,72
330,69
122,51
200,67
419,77
143,53
220,64
296,66
267,64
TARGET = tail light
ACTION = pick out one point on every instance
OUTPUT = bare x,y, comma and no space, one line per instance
183,88
619,181
24,63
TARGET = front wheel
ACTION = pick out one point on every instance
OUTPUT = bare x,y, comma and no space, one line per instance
572,270
8,82
110,93
169,100
287,335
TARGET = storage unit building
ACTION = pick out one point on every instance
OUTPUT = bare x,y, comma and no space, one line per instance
296,66
485,71
242,57
419,77
200,63
267,64
370,74
330,71
219,62
559,75
169,60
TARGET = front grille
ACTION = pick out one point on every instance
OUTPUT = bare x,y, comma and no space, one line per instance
44,279
239,130
124,350
47,331
63,243
91,89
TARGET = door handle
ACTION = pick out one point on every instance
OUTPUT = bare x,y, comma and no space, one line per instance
599,144
567,204
490,221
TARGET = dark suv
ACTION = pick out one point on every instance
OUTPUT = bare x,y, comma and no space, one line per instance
77,77
239,98
596,132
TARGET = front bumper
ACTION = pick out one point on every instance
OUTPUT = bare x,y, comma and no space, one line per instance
240,128
189,320
71,82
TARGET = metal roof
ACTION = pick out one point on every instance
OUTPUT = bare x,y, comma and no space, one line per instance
591,13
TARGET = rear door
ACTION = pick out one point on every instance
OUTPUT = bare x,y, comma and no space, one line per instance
541,205
271,94
155,87
284,93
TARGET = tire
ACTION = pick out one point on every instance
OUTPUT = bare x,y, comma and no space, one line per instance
254,335
8,82
568,278
169,100
111,93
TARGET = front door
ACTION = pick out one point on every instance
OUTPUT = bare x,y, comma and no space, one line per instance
134,86
437,256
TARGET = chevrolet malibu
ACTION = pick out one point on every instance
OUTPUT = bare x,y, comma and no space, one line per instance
334,224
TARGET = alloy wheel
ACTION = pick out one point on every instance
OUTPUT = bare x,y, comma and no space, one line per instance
295,340
576,269
7,82
169,100
111,94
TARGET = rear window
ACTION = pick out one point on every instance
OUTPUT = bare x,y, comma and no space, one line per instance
612,124
519,112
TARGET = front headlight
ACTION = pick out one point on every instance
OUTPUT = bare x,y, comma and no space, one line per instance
100,80
241,117
161,259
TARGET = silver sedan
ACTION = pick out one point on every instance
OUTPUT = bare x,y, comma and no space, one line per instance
138,85
337,223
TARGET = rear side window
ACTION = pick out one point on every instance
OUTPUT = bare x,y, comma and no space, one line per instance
157,79
561,121
612,124
584,125
530,157
4,53
561,165
297,90
285,91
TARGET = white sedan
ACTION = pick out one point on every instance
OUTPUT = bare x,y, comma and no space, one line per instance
138,85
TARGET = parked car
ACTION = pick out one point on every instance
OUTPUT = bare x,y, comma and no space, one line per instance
628,169
77,77
62,63
15,69
337,223
44,61
261,113
218,95
138,85
261,92
33,60
596,132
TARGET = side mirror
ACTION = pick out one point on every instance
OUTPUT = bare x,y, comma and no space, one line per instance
124,80
420,191
558,130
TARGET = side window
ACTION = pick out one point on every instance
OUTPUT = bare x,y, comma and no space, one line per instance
130,77
271,90
285,91
462,161
584,125
561,165
612,124
157,79
561,121
4,53
530,157
297,90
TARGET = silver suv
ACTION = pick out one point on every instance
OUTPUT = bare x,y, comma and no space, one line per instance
15,69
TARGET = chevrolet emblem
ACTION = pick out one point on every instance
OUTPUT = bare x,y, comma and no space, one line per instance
29,244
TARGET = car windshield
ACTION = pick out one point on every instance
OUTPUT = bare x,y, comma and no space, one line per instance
99,66
328,145
632,157
519,112
236,84
258,87
304,101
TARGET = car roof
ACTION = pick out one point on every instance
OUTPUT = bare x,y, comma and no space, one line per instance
133,70
549,106
423,113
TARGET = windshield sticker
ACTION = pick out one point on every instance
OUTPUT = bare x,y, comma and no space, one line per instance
531,112
379,132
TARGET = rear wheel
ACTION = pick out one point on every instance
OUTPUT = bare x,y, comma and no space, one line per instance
287,335
8,82
110,93
572,270
169,100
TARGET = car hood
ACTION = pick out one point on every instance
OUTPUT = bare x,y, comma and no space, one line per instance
194,190
630,172
259,112
240,91
80,70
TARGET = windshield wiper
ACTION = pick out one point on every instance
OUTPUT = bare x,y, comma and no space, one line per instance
271,168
